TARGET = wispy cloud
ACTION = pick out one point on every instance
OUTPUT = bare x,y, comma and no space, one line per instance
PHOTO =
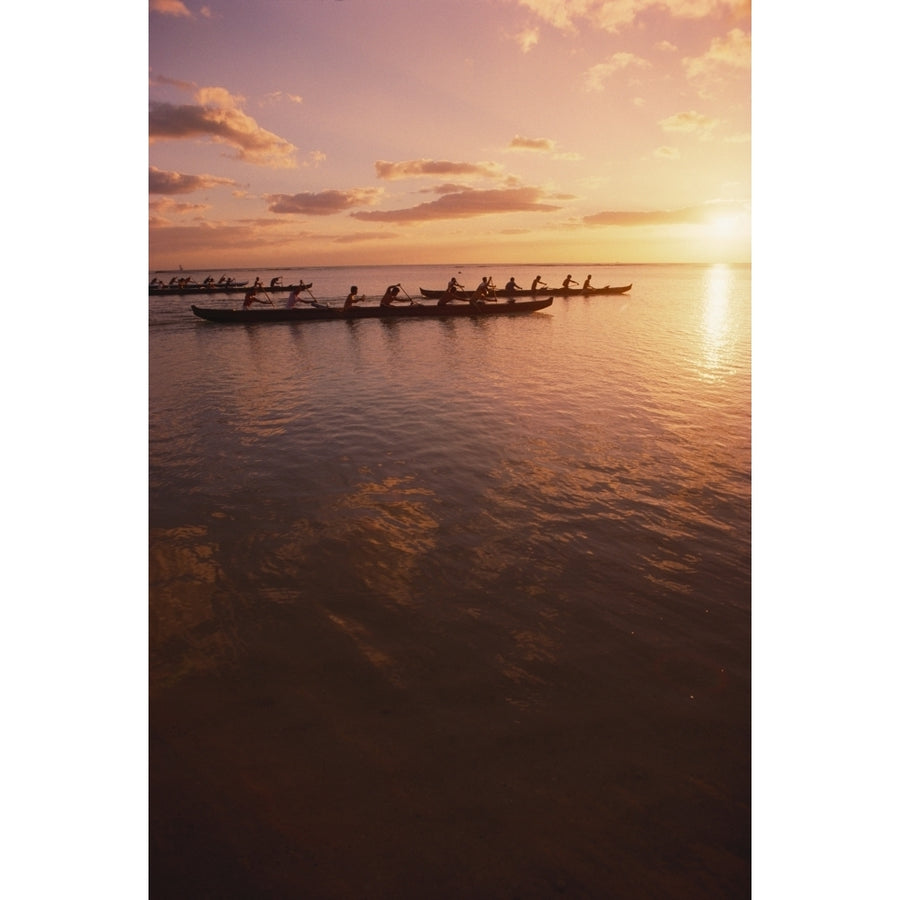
162,182
689,215
597,76
278,96
467,204
235,237
357,237
218,116
324,203
173,82
419,168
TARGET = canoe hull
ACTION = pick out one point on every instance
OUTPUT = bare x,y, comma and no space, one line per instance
414,311
434,294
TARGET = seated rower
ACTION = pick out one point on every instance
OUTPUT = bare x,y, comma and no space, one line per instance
250,298
587,284
390,295
275,282
538,283
453,286
483,291
567,281
512,286
353,297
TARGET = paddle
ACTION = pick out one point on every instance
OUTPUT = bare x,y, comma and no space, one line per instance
314,302
413,302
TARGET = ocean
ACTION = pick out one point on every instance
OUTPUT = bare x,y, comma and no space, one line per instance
453,608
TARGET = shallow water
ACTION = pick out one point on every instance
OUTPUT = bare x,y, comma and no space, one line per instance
513,550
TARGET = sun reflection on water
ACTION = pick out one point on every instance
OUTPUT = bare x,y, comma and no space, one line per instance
717,321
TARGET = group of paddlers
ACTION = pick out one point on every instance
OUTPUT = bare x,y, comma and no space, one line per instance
487,290
484,293
210,282
252,295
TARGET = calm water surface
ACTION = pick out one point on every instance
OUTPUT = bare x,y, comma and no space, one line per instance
463,603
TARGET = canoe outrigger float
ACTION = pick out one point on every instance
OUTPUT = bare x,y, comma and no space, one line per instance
412,311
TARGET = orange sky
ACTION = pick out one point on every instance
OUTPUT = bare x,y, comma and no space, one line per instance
339,132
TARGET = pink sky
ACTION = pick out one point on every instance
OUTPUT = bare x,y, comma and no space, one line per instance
320,132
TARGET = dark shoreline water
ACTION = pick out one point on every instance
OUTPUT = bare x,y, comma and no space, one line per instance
454,609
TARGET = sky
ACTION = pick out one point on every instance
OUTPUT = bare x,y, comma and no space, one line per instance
342,132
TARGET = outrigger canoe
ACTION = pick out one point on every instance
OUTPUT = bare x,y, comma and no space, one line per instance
413,311
236,287
434,294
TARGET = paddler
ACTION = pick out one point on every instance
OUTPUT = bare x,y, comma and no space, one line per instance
353,297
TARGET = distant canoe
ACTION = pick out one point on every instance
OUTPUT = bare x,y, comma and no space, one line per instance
413,311
236,287
434,294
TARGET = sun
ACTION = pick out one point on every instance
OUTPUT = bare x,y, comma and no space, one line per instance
727,225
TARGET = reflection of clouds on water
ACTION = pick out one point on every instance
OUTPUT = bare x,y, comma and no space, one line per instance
388,529
186,631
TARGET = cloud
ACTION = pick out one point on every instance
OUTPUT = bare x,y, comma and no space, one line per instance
206,236
276,96
466,204
544,145
667,153
325,203
218,117
162,182
690,123
357,237
170,8
235,239
730,52
597,76
613,15
163,208
527,39
418,168
540,145
689,215
175,82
